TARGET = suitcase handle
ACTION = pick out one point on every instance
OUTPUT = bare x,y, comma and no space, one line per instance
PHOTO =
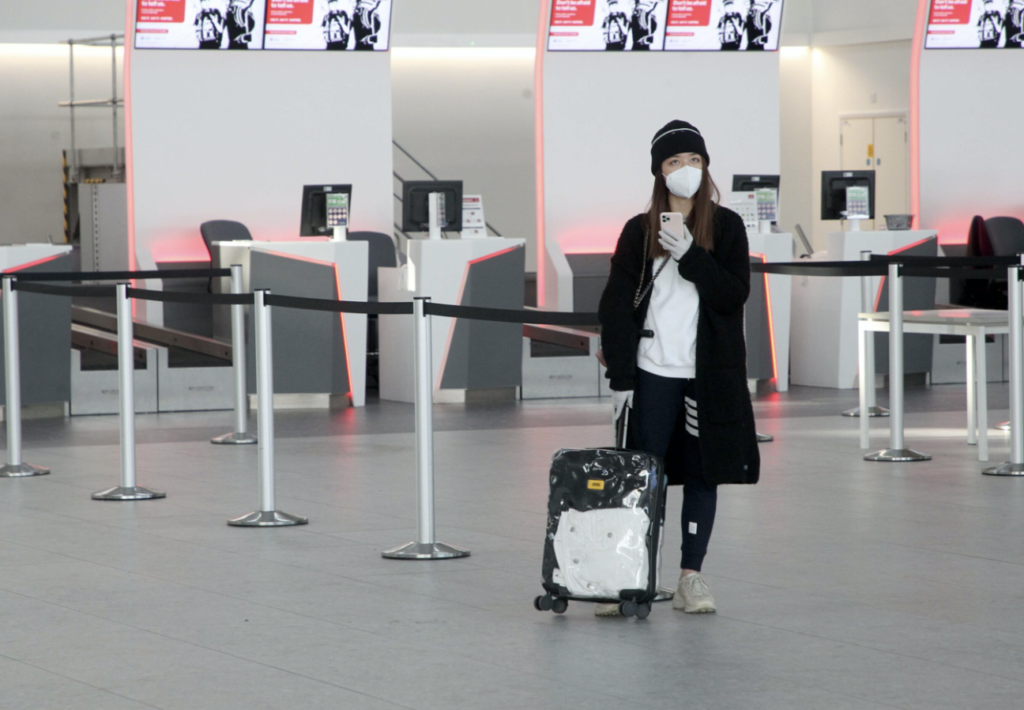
622,428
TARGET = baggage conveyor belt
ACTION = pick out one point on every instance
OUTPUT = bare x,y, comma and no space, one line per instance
95,320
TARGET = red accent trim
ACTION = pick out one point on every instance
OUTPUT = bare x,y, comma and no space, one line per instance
918,243
307,259
458,301
344,336
771,320
493,254
538,132
915,109
29,265
900,250
129,153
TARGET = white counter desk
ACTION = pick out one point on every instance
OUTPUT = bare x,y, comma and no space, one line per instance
466,355
349,260
775,248
825,309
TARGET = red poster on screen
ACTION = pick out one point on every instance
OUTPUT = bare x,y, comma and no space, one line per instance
689,13
950,12
161,11
572,13
290,12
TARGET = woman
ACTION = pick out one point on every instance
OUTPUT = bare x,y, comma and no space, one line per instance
672,338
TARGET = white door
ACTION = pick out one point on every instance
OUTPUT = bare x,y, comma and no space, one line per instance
879,144
857,140
892,177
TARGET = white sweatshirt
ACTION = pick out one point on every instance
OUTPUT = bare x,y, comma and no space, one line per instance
672,315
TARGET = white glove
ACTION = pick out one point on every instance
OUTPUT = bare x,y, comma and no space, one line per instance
621,400
676,245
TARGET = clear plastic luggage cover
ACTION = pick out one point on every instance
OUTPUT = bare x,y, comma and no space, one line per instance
599,534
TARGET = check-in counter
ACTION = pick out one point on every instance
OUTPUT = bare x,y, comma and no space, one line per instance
467,355
768,311
315,353
45,327
824,335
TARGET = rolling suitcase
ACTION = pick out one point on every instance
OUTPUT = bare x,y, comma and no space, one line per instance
606,510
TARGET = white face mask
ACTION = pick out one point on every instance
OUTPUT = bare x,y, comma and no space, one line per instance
684,182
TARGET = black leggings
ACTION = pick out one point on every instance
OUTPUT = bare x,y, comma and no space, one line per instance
658,402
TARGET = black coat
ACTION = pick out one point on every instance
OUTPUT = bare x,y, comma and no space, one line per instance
728,442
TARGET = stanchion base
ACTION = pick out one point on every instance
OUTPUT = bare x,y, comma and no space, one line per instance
897,456
267,519
20,470
121,493
424,551
872,412
764,438
1007,469
1005,426
238,438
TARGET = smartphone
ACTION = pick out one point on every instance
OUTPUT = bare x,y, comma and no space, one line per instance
673,222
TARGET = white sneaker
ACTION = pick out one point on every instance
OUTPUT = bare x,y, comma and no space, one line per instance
693,596
606,610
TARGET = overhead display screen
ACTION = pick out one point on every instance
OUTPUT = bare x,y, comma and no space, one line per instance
976,24
199,24
669,25
328,24
263,24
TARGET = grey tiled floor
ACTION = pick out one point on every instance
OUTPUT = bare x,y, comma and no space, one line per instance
841,584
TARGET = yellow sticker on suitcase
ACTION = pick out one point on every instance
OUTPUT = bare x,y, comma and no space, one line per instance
595,484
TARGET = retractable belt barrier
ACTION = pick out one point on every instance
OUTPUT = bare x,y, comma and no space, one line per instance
895,266
121,275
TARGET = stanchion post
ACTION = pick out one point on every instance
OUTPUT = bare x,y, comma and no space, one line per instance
239,435
425,547
1015,466
896,451
267,516
15,467
128,490
866,306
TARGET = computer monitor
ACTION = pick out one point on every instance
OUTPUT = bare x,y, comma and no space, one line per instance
415,207
749,183
314,209
833,191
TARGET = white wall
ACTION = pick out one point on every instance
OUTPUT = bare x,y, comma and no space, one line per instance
601,111
235,135
971,156
855,79
34,131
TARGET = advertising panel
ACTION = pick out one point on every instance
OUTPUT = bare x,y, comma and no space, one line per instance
328,24
199,24
607,25
723,25
975,24
671,25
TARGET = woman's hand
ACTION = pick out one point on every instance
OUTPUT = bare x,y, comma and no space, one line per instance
674,244
621,400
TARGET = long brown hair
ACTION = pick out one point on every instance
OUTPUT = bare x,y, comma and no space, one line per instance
700,221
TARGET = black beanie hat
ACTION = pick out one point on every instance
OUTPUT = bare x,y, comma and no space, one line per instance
674,138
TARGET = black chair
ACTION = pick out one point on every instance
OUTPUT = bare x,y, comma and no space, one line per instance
223,230
1006,235
382,253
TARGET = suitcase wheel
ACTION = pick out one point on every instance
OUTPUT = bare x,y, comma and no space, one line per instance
544,603
628,609
643,611
559,606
